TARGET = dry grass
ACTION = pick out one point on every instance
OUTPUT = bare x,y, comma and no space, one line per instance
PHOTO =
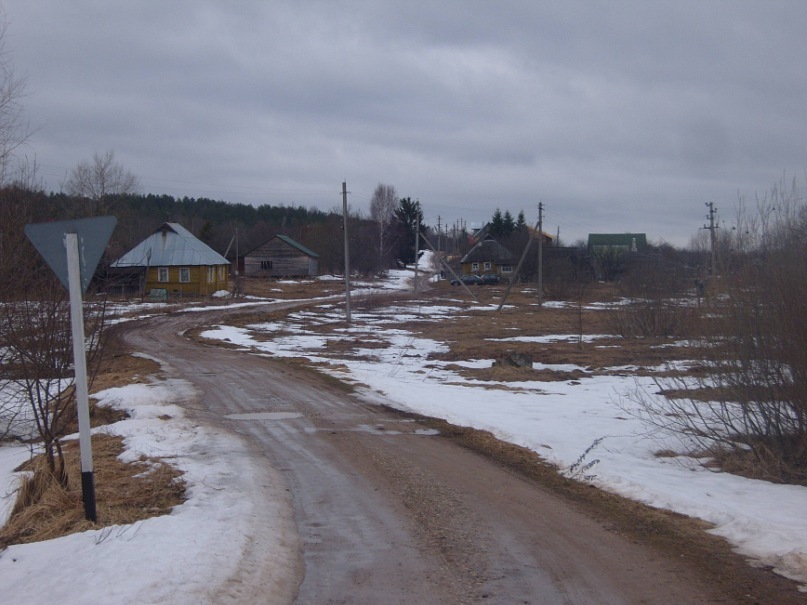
125,493
477,333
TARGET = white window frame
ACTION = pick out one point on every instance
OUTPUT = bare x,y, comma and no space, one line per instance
507,268
488,265
184,275
163,275
474,267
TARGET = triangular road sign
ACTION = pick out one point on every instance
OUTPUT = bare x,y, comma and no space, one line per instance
93,236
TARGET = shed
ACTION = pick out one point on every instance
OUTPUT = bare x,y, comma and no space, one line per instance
281,256
174,261
488,257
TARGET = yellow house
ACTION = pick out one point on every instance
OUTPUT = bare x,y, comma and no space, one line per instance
175,262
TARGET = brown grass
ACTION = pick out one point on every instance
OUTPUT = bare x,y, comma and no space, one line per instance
125,493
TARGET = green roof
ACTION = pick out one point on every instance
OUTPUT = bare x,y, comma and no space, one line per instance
622,240
300,247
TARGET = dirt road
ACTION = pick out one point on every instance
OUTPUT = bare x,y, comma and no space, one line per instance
388,512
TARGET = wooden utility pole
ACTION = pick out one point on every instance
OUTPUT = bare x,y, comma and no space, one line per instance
514,277
540,254
418,220
347,252
712,227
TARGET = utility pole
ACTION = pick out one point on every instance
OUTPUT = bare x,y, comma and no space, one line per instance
347,253
540,254
417,243
439,233
237,288
712,227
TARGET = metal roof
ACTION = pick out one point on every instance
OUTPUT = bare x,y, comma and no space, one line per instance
300,247
171,246
625,240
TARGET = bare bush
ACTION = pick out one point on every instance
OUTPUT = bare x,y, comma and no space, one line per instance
658,300
750,404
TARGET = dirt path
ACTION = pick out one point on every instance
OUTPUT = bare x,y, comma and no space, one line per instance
389,511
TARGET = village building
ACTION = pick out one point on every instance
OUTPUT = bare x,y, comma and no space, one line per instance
619,242
172,261
610,252
281,256
488,257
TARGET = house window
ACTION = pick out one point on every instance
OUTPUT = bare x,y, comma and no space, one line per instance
162,274
488,266
474,266
266,265
184,275
211,275
507,268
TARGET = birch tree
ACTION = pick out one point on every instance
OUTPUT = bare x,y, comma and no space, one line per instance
100,180
382,212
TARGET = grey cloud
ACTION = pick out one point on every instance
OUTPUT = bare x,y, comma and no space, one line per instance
618,113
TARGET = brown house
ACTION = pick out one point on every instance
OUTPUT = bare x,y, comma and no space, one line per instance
281,256
488,257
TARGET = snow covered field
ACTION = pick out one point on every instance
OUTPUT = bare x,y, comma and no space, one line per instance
580,425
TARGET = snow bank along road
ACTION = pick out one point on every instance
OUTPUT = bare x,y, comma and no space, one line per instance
387,512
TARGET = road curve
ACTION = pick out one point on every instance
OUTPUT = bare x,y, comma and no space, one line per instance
388,513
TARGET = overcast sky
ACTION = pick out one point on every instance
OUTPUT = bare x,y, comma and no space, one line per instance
618,116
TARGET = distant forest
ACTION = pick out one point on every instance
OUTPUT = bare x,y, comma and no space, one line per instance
231,228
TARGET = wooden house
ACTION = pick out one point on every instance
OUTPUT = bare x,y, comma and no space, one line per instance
172,261
281,256
488,257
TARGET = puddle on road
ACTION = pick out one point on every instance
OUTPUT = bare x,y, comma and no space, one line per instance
264,416
381,430
374,429
377,430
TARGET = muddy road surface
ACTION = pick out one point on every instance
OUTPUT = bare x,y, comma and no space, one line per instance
390,511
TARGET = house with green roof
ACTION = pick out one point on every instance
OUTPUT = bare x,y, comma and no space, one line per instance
624,242
281,256
609,253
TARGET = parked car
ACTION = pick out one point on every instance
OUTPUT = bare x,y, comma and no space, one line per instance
489,278
468,280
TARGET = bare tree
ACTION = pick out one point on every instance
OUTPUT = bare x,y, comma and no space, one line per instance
14,129
96,181
382,212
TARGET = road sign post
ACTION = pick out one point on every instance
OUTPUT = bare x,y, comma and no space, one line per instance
80,367
72,249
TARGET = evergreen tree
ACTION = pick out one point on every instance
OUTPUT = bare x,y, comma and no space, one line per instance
508,224
521,222
410,221
497,224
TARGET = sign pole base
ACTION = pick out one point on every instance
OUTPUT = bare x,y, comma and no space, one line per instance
88,496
